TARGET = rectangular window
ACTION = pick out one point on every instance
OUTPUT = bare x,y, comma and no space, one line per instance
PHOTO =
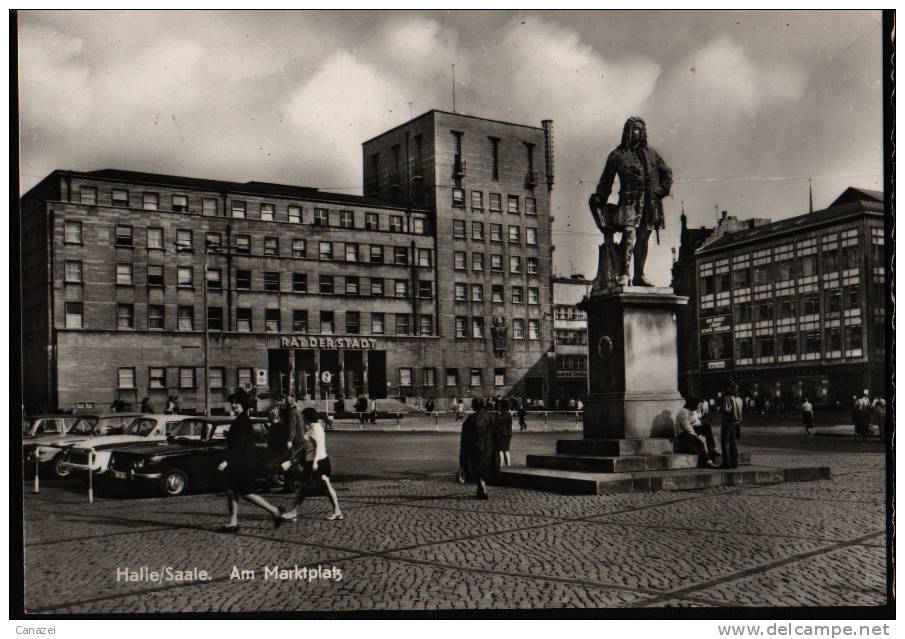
403,324
477,293
458,197
530,206
209,207
325,284
430,376
765,346
518,329
512,206
73,315
213,242
353,322
327,326
372,222
515,264
184,240
830,261
530,236
518,295
496,202
834,300
425,258
217,377
186,377
271,246
72,233
531,265
346,219
124,274
157,378
321,217
123,235
477,327
474,377
245,377
150,201
400,255
376,253
271,320
325,251
396,224
351,252
73,273
425,290
785,269
499,376
743,313
243,245
180,203
376,323
533,297
790,344
213,278
243,320
460,292
300,321
418,226
238,209
267,212
477,231
298,248
810,304
120,198
765,311
401,288
459,229
351,285
496,263
496,293
459,260
426,325
494,157
125,316
742,277
155,317
477,261
405,377
808,265
763,274
272,281
514,234
155,237
125,378
243,280
854,337
496,232
295,214
477,200
811,342
786,307
377,287
215,318
185,318
452,377
461,327
744,348
533,329
184,276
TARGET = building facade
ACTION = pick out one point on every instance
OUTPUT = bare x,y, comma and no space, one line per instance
796,308
129,278
570,337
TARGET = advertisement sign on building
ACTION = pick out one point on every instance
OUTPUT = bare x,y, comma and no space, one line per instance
716,342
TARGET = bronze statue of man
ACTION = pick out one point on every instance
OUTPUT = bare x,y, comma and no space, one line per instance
644,180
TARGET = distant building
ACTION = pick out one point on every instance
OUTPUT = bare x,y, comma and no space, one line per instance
570,334
793,308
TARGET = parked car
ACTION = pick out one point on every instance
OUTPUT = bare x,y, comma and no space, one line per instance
50,449
94,454
40,427
187,460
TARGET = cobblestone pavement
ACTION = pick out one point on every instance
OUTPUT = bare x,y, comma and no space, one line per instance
426,543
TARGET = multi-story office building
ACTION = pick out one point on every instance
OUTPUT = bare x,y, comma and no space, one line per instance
570,338
796,307
117,267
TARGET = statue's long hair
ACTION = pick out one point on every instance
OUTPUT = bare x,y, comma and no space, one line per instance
627,132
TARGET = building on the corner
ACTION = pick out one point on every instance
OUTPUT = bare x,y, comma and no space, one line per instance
570,339
391,293
795,308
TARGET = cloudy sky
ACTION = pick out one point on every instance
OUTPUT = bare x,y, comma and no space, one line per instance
743,105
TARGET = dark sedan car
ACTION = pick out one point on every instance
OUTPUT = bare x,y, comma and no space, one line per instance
187,460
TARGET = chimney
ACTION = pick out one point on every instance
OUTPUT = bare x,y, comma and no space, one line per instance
548,151
723,215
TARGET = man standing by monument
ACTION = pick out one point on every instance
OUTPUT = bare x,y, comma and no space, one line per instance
644,180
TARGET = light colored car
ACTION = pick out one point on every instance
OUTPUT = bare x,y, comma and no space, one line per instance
94,454
46,427
50,451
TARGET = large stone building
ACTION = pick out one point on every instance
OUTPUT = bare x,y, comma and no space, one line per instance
392,293
793,308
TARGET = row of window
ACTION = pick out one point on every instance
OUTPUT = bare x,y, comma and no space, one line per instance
565,312
477,325
570,337
788,306
460,261
497,293
408,379
805,342
268,212
496,232
495,201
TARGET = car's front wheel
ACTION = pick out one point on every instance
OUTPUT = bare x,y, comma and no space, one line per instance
174,482
59,469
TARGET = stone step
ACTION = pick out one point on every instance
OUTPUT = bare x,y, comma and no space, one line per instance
587,483
615,447
622,464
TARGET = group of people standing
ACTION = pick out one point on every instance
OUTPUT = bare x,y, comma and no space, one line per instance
695,428
484,443
297,447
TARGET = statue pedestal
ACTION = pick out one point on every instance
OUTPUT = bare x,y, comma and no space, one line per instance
632,363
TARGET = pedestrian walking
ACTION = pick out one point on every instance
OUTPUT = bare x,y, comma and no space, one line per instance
522,417
879,417
460,409
862,415
476,448
429,405
504,433
373,407
731,420
340,406
361,407
238,468
807,416
279,440
310,459
689,422
148,407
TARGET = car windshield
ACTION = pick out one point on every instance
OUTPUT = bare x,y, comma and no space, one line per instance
82,426
187,429
108,426
141,426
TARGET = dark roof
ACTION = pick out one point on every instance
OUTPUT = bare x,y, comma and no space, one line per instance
854,194
831,215
250,188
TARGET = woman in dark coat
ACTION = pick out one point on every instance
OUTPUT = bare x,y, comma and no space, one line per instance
238,468
476,450
504,432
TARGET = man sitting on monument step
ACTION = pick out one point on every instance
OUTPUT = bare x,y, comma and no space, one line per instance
688,439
